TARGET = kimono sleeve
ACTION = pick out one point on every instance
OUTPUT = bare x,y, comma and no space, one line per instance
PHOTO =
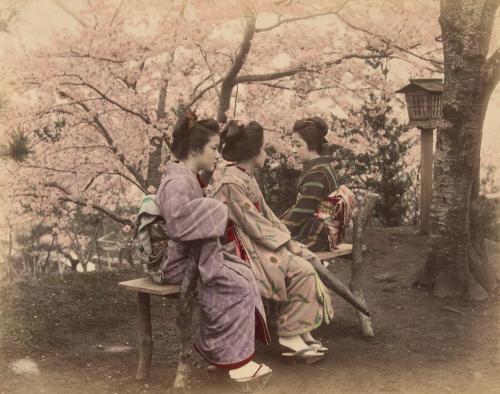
190,219
272,216
310,196
246,216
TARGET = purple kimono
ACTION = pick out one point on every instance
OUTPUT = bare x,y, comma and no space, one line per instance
232,314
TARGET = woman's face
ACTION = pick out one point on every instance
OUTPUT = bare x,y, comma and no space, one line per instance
300,151
207,158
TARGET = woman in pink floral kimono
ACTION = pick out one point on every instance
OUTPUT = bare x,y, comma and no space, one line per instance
232,314
257,235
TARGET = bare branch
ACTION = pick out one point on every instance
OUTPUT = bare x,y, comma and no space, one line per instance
71,13
198,96
212,75
391,43
116,12
74,54
4,22
270,76
281,22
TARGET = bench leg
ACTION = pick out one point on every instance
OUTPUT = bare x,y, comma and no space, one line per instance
145,336
357,267
184,322
183,327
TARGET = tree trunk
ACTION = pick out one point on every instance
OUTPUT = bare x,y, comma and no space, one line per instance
154,163
74,264
229,81
457,263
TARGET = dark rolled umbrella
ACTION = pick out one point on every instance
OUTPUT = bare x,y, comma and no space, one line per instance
333,283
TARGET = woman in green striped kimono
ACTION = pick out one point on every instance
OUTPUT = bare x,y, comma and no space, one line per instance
316,183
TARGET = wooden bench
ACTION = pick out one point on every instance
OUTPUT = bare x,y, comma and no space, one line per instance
144,288
184,293
343,250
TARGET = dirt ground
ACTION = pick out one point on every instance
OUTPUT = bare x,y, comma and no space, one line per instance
422,344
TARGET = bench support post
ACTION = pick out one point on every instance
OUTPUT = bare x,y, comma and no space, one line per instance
145,336
357,268
184,321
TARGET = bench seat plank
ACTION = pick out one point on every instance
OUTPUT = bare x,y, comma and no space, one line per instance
146,285
343,249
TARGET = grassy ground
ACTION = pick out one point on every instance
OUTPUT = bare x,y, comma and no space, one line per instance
79,329
48,312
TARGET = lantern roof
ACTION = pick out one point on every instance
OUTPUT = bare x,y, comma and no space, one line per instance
432,85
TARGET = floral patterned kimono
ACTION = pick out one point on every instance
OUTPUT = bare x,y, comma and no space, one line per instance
258,236
232,314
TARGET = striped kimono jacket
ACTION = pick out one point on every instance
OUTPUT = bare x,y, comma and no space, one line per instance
317,181
232,313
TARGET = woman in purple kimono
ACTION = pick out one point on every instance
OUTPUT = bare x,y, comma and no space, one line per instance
232,314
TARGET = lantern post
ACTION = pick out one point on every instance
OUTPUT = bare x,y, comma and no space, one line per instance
423,100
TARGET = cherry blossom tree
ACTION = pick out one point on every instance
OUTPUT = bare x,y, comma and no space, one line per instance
89,115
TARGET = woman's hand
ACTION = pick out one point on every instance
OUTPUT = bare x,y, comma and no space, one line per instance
294,247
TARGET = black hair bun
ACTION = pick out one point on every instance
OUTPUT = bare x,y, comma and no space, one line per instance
240,142
254,127
232,132
183,124
320,125
210,124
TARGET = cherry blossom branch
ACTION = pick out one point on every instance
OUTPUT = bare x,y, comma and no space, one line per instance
281,22
50,169
114,173
144,118
74,54
300,69
384,40
69,198
97,124
77,147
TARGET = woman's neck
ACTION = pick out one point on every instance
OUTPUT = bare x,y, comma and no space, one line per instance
191,166
247,166
314,155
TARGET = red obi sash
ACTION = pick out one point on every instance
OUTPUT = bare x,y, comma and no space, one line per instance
232,236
